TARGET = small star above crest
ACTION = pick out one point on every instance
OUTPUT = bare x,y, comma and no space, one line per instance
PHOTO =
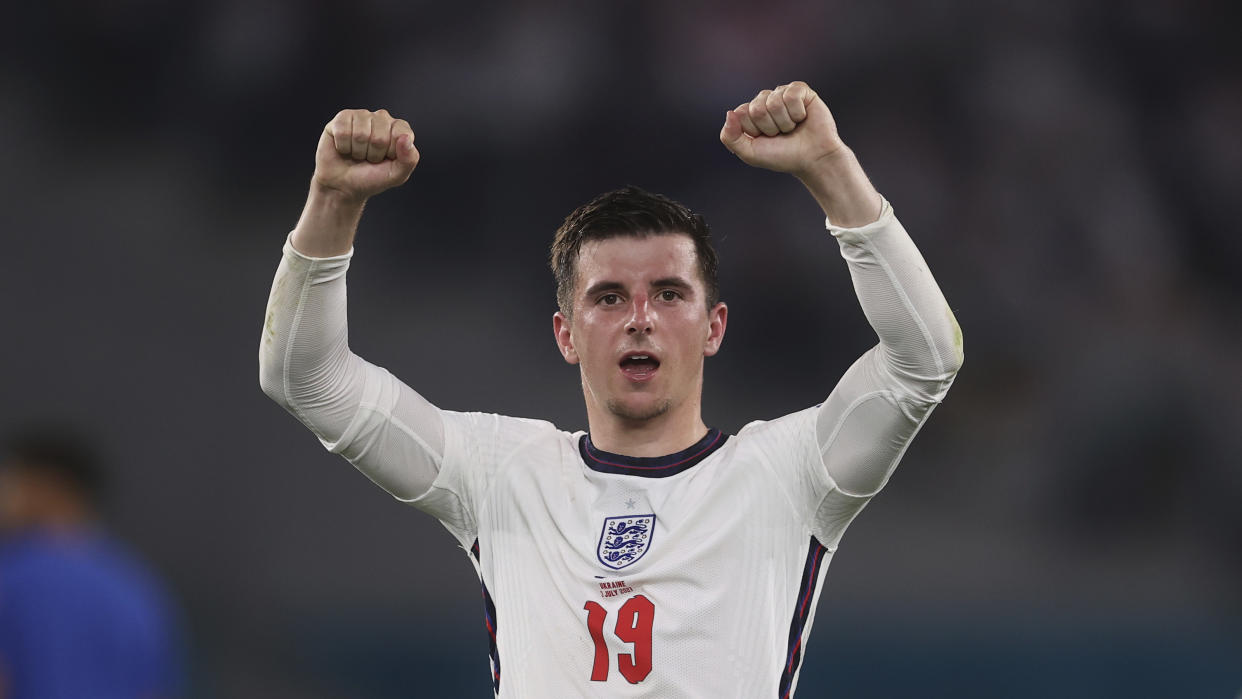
629,504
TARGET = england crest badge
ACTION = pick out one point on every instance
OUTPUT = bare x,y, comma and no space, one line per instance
624,540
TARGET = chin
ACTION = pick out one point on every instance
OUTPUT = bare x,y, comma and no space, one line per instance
639,410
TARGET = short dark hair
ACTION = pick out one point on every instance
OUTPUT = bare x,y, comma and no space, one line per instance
629,211
59,450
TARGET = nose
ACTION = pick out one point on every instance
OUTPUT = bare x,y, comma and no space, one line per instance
641,318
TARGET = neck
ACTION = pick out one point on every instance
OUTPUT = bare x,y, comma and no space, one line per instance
669,433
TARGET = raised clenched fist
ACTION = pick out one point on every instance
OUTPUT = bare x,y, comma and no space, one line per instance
787,129
363,153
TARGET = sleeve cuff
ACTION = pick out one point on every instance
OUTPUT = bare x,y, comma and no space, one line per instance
290,250
861,233
317,270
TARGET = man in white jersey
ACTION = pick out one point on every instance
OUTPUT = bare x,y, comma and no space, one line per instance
652,556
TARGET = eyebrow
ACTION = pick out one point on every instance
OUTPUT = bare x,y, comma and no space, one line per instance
664,282
674,282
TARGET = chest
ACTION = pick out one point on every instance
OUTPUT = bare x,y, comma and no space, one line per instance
554,513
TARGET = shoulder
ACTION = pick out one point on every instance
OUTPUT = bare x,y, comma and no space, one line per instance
478,424
785,442
800,422
492,438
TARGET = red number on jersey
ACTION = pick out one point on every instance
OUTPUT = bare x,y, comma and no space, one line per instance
634,626
634,622
595,624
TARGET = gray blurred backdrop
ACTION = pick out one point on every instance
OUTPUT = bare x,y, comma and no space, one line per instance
1068,524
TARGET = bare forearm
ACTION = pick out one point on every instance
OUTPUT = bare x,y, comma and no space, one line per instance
838,183
328,223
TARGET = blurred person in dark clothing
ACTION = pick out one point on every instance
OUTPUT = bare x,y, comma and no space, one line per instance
80,616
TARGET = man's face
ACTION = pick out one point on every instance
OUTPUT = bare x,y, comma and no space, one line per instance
640,327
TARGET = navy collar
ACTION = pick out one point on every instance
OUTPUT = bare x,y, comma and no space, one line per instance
651,466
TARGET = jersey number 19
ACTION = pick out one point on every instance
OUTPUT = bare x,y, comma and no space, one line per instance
634,620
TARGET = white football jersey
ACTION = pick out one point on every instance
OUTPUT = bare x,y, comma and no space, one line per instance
690,575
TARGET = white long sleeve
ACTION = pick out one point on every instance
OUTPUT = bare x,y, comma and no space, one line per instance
865,425
306,366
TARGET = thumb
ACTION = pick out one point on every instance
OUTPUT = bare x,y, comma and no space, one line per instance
732,136
406,152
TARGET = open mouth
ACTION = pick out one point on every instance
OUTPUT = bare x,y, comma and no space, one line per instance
639,366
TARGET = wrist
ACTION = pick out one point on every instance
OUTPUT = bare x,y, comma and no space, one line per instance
329,198
839,185
832,163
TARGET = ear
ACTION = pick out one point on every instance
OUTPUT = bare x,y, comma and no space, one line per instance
717,319
564,338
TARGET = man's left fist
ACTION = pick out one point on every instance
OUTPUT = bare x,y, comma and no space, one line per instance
788,129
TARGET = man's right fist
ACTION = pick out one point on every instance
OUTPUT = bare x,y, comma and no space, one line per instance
363,153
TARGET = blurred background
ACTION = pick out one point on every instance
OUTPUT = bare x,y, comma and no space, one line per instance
1069,523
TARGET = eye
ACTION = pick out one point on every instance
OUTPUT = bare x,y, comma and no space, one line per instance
609,300
669,295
